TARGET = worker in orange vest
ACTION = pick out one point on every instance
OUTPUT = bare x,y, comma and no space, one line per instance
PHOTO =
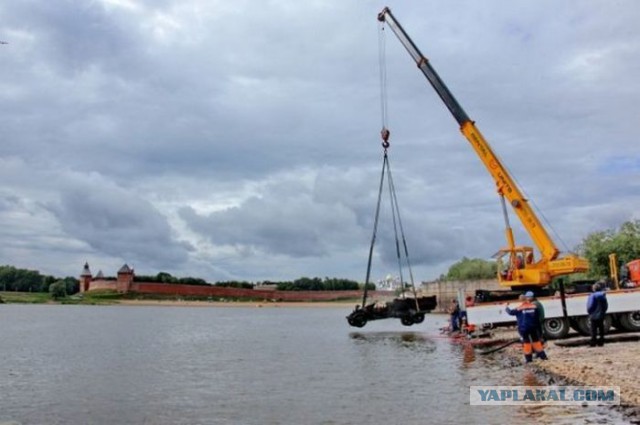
528,324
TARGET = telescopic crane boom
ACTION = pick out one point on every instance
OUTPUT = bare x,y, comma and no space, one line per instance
522,269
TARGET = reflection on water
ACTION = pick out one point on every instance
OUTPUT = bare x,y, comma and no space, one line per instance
468,356
106,365
413,341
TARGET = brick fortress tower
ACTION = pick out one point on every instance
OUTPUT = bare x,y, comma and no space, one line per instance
125,279
85,278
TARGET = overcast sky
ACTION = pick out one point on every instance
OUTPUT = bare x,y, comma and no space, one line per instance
240,139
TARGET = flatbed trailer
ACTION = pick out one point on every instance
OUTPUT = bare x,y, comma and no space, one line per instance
623,313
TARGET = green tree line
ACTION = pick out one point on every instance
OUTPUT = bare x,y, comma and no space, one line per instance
164,277
318,284
472,269
623,241
23,280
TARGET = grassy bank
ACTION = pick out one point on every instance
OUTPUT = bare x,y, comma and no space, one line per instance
25,297
107,296
99,297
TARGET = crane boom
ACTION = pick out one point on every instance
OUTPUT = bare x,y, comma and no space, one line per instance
537,273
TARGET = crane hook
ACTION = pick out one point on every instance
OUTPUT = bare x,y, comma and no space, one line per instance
384,133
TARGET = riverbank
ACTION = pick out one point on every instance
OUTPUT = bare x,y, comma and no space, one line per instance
246,304
615,364
112,298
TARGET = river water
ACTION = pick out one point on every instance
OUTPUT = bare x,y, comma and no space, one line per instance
197,365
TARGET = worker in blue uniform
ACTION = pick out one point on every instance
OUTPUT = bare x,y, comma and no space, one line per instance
528,325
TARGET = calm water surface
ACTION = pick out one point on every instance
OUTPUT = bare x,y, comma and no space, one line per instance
181,365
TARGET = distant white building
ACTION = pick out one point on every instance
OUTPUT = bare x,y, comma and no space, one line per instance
389,283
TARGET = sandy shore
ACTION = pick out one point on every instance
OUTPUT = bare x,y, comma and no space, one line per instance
615,364
254,304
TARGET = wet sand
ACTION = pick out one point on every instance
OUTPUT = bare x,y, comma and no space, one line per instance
615,364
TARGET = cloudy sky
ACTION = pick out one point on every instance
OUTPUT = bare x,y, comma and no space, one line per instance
240,139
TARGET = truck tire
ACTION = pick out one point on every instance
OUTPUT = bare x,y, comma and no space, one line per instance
555,328
630,321
584,325
407,320
418,318
358,319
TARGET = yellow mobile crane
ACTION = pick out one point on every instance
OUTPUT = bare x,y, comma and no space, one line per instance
521,270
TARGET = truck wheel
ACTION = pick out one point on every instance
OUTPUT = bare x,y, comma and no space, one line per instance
358,320
556,328
630,321
418,318
406,320
584,325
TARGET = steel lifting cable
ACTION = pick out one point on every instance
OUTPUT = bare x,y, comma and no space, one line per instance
395,225
394,202
398,229
373,237
382,55
385,145
395,210
536,207
382,65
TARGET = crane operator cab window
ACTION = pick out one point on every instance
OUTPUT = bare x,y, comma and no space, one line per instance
509,261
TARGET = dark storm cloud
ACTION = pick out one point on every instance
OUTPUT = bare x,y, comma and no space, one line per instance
73,36
118,223
287,221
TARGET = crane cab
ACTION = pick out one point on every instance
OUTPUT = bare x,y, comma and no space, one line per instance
517,268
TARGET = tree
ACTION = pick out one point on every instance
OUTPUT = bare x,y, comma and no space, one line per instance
72,285
165,277
47,281
58,289
472,268
317,284
235,284
191,281
13,279
624,242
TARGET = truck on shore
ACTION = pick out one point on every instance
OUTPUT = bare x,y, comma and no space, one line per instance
623,313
